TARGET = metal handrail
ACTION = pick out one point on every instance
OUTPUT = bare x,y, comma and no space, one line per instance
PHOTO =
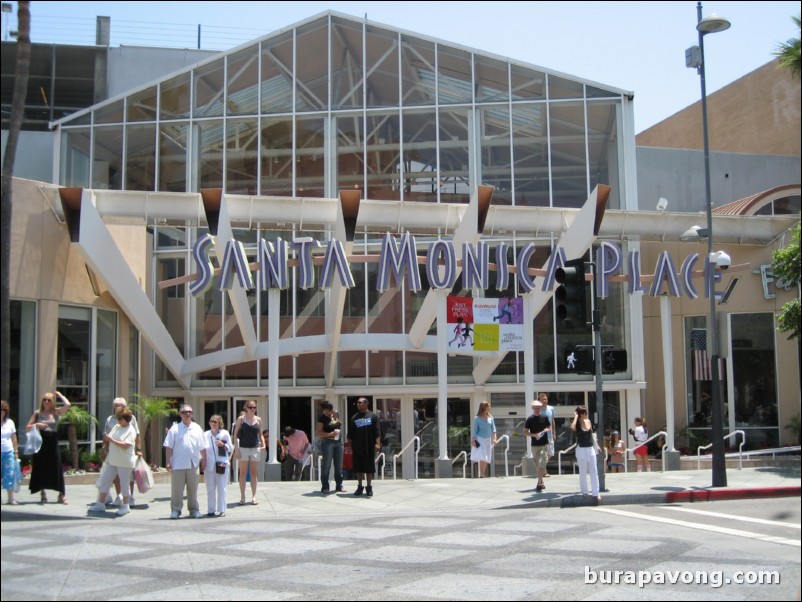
560,458
464,454
382,457
642,443
506,452
709,445
403,449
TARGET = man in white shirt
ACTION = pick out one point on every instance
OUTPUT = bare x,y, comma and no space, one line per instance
186,454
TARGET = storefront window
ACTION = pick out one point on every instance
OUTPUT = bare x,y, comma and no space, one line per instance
22,369
754,378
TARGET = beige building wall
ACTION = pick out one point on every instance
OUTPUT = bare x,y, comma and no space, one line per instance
44,267
756,114
747,298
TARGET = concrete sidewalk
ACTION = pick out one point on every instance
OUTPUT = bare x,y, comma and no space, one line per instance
304,498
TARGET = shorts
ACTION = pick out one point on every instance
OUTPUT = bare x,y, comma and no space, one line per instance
540,456
643,450
249,454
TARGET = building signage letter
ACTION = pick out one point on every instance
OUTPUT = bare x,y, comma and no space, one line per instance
502,267
686,272
398,260
635,285
665,270
335,259
609,258
206,270
235,260
475,265
441,249
303,250
273,260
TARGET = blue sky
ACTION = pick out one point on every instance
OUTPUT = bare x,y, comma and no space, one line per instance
639,47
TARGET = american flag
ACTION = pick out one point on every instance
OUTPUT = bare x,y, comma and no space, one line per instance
701,363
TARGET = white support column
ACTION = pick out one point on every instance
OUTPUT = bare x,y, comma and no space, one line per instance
529,363
443,461
668,367
273,309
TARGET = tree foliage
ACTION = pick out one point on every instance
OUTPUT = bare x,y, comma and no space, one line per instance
149,410
786,265
789,53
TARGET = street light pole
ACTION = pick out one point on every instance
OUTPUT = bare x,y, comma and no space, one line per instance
712,24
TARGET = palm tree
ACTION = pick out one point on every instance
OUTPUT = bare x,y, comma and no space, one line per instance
789,54
14,127
78,421
150,409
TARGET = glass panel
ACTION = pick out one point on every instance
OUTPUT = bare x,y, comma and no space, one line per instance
75,153
531,155
346,64
389,412
106,354
277,157
350,151
381,63
593,92
173,157
142,105
454,82
699,385
110,113
73,354
245,373
603,149
171,307
455,181
420,156
243,82
277,74
209,90
417,72
140,157
492,83
174,99
207,332
209,139
242,155
107,169
421,367
563,88
495,152
568,167
312,51
527,84
755,378
383,157
310,167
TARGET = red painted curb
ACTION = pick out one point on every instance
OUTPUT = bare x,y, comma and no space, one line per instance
709,495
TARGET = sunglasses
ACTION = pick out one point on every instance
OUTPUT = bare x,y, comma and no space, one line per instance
251,407
213,422
187,412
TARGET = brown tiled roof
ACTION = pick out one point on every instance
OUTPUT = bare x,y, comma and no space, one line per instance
752,204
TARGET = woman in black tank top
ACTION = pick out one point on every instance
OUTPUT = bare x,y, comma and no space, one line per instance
248,442
586,453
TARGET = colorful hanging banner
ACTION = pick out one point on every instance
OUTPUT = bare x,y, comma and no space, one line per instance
484,324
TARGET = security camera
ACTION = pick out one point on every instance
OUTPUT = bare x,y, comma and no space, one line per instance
721,259
662,203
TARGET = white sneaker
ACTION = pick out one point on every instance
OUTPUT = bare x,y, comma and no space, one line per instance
195,514
123,510
109,499
118,501
175,514
131,501
97,507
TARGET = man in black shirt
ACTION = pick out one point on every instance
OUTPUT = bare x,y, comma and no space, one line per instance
365,435
537,427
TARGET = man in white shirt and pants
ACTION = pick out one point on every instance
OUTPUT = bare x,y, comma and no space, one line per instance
186,454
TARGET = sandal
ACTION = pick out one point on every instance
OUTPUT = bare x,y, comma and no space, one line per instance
62,500
43,498
254,502
242,502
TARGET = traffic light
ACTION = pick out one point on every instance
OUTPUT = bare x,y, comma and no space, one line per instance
578,360
570,295
614,360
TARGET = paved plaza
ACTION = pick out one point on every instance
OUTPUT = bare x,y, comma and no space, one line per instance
428,539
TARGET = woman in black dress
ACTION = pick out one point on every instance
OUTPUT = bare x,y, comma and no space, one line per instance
46,472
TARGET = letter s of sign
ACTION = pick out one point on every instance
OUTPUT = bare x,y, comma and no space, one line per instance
205,269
